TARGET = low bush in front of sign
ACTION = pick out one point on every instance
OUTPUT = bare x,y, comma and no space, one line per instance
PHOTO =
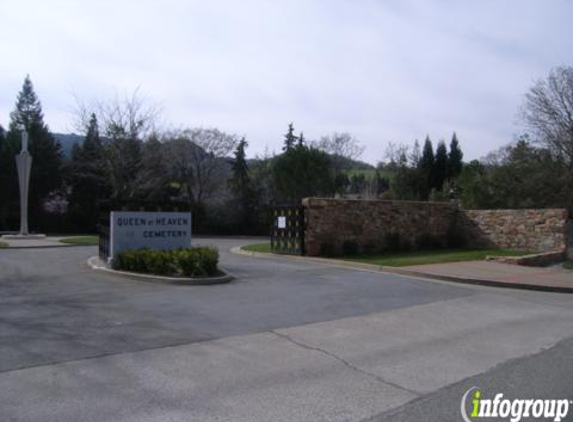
188,262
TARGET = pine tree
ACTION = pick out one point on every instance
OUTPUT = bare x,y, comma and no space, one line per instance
440,166
290,138
240,171
46,175
427,169
88,180
301,140
243,191
455,158
8,181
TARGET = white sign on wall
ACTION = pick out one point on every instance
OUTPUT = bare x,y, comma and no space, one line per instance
154,230
281,222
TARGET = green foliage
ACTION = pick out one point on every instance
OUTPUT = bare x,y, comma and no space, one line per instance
87,179
290,138
427,169
190,262
301,172
404,259
46,174
440,169
258,247
3,245
455,159
518,176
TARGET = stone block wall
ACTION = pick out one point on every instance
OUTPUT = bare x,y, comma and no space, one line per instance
538,230
369,224
374,225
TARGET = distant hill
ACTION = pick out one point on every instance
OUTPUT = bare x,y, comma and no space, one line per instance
67,141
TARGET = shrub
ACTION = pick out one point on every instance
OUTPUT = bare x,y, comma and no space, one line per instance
189,262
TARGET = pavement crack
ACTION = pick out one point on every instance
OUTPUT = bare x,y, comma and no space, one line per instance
346,363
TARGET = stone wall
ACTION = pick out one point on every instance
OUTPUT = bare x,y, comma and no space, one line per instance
538,230
333,225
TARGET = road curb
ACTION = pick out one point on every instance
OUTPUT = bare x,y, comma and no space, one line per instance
95,264
411,273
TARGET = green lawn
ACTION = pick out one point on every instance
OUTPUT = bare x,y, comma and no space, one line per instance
403,259
440,256
81,240
568,265
258,247
3,245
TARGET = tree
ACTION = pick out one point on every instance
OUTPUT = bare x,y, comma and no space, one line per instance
455,159
88,179
302,172
340,145
126,123
153,182
301,140
415,155
46,174
198,163
290,138
244,195
427,174
548,112
342,148
8,181
440,166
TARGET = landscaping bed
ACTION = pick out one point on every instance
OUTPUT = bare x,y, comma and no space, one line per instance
189,262
3,245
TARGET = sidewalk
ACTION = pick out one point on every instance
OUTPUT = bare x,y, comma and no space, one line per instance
497,274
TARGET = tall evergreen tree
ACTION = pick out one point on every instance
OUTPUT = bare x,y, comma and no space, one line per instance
427,169
301,140
240,171
455,158
243,191
440,166
290,138
88,179
46,175
8,181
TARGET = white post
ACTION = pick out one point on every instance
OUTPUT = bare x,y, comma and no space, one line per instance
24,164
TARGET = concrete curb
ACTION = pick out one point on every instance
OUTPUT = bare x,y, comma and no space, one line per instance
411,273
95,264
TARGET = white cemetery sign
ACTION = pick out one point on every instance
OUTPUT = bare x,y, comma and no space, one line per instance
154,230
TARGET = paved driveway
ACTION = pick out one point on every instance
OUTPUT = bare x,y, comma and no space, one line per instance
285,341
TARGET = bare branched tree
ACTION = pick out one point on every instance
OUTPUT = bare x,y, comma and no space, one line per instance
125,124
341,144
198,161
548,111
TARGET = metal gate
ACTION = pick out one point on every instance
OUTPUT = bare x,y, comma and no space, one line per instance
287,229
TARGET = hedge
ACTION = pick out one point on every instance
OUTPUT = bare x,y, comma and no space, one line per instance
189,262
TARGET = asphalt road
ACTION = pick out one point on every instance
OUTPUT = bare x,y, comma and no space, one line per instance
285,341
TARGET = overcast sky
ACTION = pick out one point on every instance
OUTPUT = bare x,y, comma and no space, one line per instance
381,70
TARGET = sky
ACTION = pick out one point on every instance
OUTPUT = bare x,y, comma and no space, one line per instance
383,70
